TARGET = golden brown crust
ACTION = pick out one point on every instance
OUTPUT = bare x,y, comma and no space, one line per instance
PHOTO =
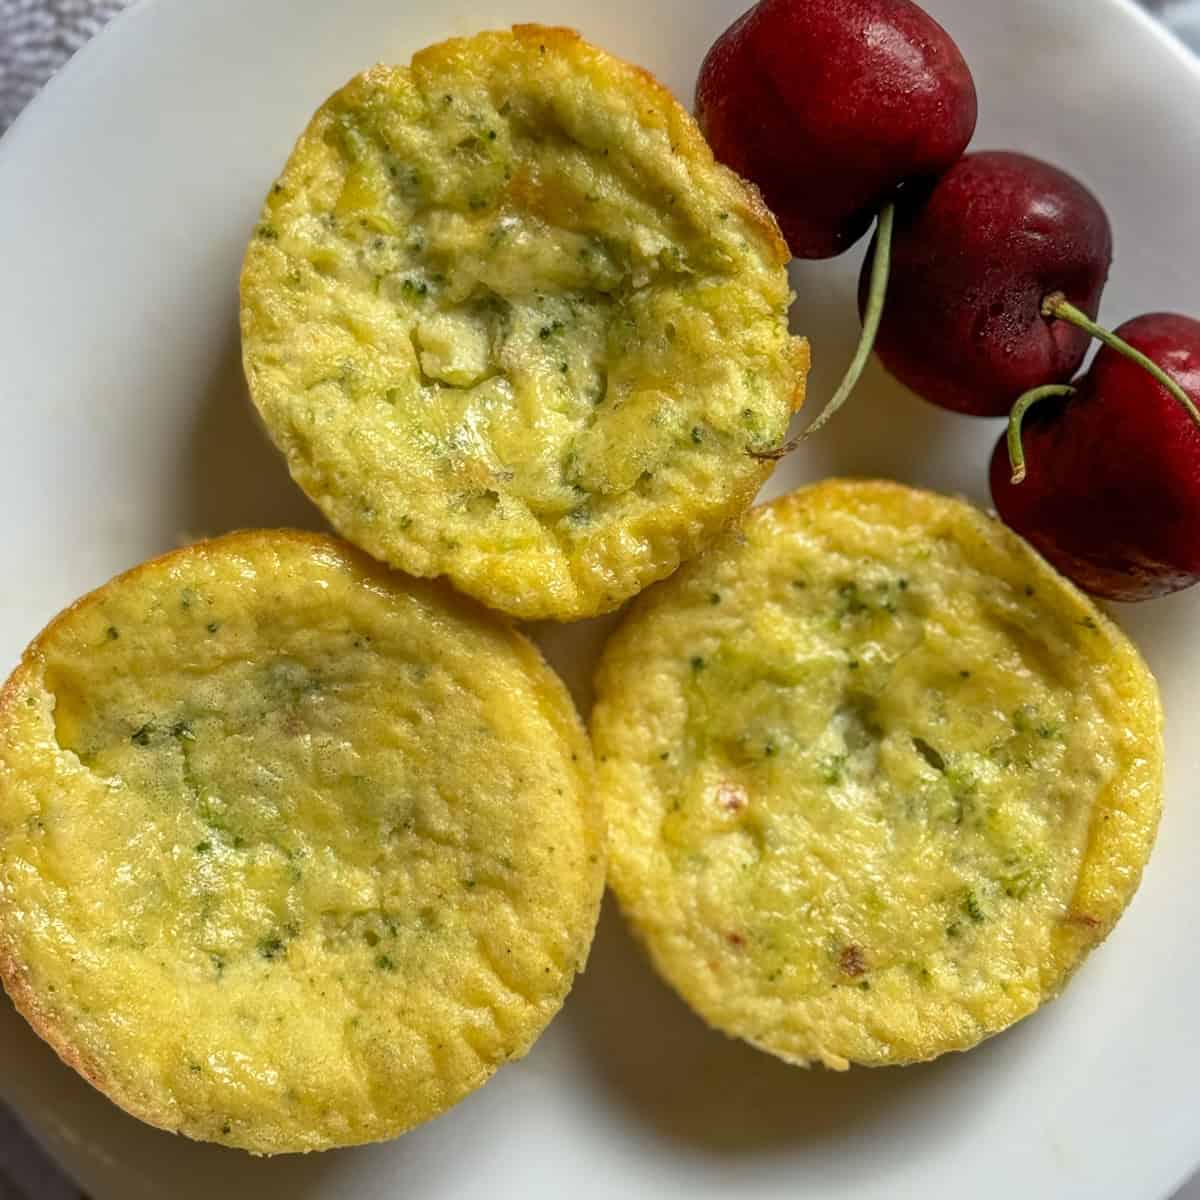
683,131
249,538
802,352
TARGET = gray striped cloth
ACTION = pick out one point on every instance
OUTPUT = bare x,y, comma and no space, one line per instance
36,38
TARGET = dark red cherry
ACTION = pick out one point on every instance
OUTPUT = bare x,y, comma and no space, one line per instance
830,105
973,258
1112,491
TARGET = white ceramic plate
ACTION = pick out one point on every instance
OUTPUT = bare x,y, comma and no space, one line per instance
126,194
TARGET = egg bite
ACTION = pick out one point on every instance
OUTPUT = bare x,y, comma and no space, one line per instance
294,851
877,778
510,323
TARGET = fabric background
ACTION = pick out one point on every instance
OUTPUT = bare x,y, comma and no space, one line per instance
36,38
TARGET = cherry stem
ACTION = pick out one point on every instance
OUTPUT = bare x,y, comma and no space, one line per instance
1057,305
881,268
1016,453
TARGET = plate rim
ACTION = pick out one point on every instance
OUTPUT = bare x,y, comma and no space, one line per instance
25,123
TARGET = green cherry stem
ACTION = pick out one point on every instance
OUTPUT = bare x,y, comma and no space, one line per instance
881,268
1016,453
1057,305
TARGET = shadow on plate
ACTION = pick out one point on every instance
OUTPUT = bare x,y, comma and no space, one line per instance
694,1085
231,477
573,651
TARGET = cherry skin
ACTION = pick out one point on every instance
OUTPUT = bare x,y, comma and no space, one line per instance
1112,494
830,105
973,257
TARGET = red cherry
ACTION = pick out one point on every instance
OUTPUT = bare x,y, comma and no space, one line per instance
973,258
830,105
1112,495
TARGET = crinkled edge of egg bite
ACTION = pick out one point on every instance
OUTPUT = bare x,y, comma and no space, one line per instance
1121,830
636,549
558,709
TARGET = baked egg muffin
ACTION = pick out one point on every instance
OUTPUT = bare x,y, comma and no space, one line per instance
510,323
877,778
294,852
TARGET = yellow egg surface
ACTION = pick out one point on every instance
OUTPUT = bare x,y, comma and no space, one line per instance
294,852
510,323
877,778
